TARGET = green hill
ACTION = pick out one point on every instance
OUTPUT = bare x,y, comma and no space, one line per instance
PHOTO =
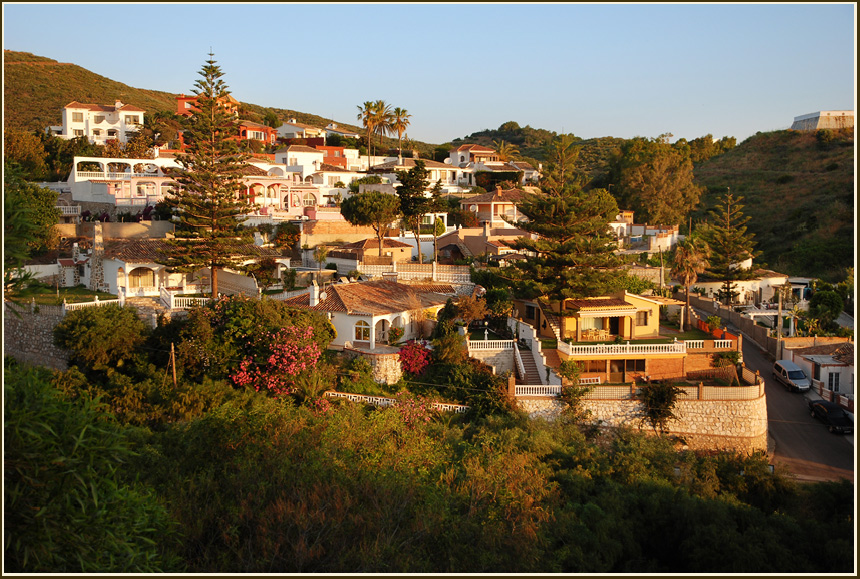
36,89
798,187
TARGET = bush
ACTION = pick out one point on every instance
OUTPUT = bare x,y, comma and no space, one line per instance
101,337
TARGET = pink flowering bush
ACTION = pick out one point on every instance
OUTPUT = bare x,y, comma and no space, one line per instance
277,358
412,410
414,357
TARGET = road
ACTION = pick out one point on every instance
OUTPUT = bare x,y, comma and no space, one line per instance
801,443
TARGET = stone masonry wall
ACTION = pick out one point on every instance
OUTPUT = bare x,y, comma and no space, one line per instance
501,360
386,367
737,425
30,338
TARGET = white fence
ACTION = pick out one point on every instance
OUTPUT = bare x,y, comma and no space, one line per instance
81,305
538,390
623,349
286,295
412,271
520,367
490,344
386,402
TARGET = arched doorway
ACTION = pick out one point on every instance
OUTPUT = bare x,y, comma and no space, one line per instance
381,330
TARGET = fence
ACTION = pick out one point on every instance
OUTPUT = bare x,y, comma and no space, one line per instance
622,349
411,271
843,401
490,344
386,402
631,391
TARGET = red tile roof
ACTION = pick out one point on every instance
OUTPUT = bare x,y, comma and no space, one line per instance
476,148
497,196
375,298
371,243
598,304
153,250
408,163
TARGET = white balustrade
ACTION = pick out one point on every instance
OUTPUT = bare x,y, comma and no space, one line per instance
491,344
695,344
722,344
69,209
519,361
623,349
589,380
538,390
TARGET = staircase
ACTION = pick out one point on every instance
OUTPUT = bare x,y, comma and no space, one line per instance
554,322
533,373
146,307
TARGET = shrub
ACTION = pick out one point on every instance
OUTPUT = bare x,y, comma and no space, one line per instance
414,358
658,400
102,337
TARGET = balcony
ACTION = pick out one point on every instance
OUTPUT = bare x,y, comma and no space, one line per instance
621,349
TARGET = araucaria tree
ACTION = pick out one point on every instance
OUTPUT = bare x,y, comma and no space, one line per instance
372,208
730,245
574,249
209,202
414,203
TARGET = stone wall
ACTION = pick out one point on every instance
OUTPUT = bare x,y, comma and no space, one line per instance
501,360
29,337
323,231
386,367
736,425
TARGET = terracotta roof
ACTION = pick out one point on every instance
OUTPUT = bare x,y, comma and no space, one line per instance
408,163
326,168
598,304
300,149
832,349
153,250
374,298
371,243
845,354
522,165
497,196
478,148
252,124
249,170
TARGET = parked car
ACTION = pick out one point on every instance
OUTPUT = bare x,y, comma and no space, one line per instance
836,419
791,375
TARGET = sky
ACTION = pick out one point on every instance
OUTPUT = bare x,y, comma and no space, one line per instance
594,70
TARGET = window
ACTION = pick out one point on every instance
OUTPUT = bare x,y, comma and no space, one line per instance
634,365
99,119
362,331
332,180
111,132
97,133
337,153
79,132
131,119
530,312
77,117
833,382
642,318
257,136
309,200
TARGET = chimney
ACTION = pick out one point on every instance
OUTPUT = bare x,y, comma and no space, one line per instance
118,105
487,229
313,290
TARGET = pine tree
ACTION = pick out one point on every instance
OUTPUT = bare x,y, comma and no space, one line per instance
574,248
414,204
209,202
730,245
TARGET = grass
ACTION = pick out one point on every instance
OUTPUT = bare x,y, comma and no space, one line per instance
47,296
475,335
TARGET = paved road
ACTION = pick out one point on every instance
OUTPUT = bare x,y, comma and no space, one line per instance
802,444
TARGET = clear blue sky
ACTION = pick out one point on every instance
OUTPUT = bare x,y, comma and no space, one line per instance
593,70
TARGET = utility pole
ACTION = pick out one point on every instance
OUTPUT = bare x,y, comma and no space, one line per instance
173,363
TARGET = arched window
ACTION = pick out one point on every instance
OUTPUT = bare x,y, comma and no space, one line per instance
141,277
362,331
309,199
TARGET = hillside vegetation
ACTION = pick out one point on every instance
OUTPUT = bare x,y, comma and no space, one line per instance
798,187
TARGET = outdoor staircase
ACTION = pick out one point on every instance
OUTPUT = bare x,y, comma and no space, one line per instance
146,307
554,322
533,373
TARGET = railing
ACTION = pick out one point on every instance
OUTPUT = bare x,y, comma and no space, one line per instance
491,344
286,295
69,209
723,344
621,349
695,344
538,390
386,402
111,176
630,392
589,380
81,305
519,360
183,303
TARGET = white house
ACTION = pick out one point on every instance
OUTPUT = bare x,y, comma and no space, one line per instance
452,179
362,313
98,123
759,289
830,364
293,129
301,159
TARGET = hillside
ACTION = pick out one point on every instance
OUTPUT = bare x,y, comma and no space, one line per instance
799,190
36,88
593,156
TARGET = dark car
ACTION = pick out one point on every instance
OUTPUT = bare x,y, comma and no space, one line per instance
832,415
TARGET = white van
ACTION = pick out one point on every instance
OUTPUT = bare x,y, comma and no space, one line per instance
791,375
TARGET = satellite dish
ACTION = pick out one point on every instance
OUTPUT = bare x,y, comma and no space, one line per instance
323,296
473,208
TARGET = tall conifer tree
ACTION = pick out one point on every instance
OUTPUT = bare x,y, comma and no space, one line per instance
730,245
209,201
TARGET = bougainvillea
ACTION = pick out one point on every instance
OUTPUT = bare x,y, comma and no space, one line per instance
414,357
278,356
412,410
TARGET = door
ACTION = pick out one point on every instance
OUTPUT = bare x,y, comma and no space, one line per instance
614,326
616,371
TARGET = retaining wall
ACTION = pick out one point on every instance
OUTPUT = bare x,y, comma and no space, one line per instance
735,425
29,337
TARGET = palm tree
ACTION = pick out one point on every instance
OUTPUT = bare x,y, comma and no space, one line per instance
507,151
400,121
382,119
366,116
691,259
